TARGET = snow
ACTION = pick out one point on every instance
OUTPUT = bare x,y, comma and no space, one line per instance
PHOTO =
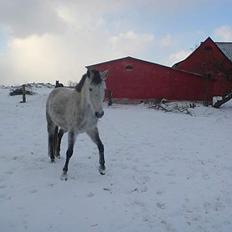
165,171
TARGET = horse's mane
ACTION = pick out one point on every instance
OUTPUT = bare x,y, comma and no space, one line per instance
81,83
96,79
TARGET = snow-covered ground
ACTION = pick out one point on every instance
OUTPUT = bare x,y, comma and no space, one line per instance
165,171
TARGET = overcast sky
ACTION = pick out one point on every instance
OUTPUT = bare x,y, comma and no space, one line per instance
48,40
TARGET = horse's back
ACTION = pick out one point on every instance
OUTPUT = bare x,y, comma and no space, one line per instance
60,95
60,92
59,103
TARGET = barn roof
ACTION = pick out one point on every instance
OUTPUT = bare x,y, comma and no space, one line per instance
223,47
226,48
125,58
136,59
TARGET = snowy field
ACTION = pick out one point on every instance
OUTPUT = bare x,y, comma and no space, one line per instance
165,171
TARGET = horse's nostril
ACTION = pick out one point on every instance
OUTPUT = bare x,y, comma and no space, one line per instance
99,115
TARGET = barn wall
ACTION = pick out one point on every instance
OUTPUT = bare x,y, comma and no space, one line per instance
220,85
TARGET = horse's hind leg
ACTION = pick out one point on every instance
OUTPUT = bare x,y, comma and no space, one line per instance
59,137
52,133
94,135
52,137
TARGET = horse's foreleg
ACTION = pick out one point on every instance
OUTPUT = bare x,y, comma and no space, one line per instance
94,135
71,141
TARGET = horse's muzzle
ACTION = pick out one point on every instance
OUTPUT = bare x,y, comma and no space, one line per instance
99,115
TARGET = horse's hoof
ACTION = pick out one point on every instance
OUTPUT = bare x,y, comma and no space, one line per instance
102,170
52,160
58,156
64,176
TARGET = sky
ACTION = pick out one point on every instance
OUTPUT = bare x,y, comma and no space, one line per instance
49,40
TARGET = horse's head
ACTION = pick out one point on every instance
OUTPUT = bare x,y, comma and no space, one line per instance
97,90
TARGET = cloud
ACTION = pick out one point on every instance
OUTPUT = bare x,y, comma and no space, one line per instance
178,56
25,17
35,58
166,41
224,33
50,40
49,57
130,43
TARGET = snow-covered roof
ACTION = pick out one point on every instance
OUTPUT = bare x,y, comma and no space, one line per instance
226,48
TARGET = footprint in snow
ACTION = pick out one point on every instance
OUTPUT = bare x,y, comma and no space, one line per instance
90,194
33,191
161,205
159,192
9,172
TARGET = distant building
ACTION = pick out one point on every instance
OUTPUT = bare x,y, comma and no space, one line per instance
205,73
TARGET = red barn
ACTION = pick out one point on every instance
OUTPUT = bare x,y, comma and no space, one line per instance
214,62
193,79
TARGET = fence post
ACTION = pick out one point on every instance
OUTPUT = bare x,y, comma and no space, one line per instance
110,102
24,93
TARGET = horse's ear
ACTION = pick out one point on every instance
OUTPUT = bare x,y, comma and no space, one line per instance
90,73
104,74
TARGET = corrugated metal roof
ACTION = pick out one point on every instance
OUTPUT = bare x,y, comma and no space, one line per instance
226,48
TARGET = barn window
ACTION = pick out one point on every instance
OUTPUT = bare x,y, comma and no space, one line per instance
208,48
129,67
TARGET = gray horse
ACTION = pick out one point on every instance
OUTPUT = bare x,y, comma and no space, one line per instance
76,111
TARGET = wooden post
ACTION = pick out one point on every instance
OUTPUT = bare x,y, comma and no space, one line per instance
207,80
24,93
110,102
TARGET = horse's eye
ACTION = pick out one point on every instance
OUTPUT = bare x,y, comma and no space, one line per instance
90,89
